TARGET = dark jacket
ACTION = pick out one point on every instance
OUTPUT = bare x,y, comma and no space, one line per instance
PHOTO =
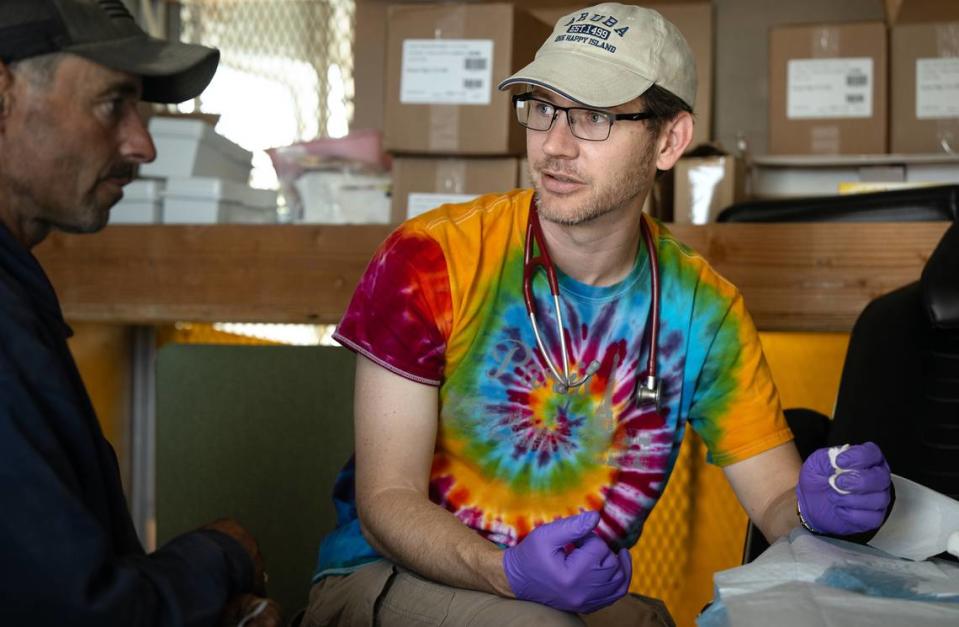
69,554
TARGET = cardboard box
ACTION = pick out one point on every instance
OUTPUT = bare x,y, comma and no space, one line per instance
422,183
524,181
443,64
369,59
827,89
704,186
694,19
344,196
892,10
925,77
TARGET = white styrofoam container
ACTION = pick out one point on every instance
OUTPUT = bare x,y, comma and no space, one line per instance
204,200
141,203
807,175
337,197
190,148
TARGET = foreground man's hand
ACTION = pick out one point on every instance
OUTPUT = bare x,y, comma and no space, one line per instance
236,531
584,579
844,490
249,610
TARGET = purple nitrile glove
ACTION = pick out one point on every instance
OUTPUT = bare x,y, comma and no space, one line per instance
565,565
844,489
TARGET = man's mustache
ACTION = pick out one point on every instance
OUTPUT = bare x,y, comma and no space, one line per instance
123,171
558,166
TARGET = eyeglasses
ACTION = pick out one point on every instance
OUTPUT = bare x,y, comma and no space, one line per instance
589,124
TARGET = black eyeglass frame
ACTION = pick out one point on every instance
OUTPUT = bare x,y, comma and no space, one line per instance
612,117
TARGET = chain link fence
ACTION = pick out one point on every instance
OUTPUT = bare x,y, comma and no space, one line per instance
286,70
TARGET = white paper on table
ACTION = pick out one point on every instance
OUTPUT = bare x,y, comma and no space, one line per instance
920,523
804,580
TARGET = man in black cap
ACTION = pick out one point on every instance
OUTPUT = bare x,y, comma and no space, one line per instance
71,75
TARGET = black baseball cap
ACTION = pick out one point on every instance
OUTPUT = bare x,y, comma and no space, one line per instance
103,31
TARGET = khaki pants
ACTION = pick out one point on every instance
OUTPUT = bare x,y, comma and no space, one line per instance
386,595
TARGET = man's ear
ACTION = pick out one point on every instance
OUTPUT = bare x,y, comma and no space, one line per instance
673,140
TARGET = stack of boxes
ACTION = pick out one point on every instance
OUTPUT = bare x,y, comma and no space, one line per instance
452,134
198,177
868,88
865,107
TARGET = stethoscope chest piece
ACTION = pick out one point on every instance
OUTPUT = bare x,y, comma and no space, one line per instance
649,393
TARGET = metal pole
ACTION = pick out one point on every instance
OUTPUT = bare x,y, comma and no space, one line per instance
143,428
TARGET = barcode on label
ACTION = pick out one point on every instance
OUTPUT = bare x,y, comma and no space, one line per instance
857,80
855,98
472,83
474,64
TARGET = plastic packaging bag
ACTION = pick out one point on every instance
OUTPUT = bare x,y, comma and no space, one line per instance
804,580
335,180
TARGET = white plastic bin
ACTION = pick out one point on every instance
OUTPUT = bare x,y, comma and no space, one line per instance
821,175
141,203
202,200
343,197
191,148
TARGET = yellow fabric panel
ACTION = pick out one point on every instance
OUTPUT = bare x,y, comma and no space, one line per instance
661,558
806,367
103,355
203,333
698,527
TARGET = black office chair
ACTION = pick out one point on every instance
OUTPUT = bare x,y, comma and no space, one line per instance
900,381
919,204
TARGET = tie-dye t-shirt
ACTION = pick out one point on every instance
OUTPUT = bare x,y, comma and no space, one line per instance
441,303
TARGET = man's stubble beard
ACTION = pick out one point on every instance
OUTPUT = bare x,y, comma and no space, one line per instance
623,188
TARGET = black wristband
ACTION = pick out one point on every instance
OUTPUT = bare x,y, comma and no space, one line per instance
802,521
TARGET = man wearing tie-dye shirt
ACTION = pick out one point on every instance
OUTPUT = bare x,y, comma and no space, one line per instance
490,485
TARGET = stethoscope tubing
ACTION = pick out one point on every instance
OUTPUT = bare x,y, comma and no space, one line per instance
534,237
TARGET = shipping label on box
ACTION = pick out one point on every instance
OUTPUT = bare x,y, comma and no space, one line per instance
452,71
937,88
829,88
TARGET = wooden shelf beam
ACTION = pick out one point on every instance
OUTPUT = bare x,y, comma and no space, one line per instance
795,276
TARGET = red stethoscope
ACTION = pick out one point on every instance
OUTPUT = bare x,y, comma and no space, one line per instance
648,388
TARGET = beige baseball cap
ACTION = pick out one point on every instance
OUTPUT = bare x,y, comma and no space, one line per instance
609,54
